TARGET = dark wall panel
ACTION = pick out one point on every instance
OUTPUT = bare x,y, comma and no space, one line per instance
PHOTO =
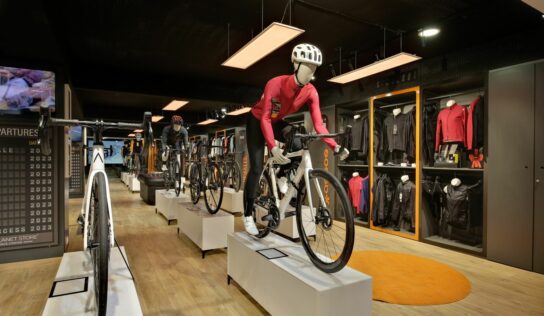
538,246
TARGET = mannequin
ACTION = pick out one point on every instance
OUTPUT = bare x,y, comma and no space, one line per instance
450,103
355,174
455,182
357,116
304,73
405,178
396,112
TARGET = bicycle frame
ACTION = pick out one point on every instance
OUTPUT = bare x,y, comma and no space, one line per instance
97,167
303,170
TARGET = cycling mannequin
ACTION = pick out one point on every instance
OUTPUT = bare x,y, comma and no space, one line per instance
282,96
172,135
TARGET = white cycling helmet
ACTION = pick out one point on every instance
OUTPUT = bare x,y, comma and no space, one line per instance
307,53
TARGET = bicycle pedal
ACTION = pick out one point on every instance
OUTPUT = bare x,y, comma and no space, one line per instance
290,213
267,218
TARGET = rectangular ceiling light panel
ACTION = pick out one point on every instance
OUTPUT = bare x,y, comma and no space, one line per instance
270,39
138,130
537,4
240,111
131,135
175,105
156,118
208,121
374,68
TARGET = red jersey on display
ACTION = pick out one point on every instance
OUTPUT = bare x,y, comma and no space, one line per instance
281,97
451,125
355,185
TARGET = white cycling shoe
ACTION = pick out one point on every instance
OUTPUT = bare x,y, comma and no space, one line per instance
250,226
164,168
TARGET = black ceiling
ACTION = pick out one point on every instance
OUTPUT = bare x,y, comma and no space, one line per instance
127,56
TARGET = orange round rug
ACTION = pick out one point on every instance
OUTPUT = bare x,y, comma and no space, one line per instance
410,280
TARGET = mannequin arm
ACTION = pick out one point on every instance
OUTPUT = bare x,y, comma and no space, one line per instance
266,118
315,113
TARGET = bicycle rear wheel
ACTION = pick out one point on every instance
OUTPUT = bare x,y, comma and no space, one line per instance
213,188
99,241
194,183
177,178
330,221
236,175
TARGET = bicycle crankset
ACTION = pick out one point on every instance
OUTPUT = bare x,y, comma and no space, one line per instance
273,216
324,218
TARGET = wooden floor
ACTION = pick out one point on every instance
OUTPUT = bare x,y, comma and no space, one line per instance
172,279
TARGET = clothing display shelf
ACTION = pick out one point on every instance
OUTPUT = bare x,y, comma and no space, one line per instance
377,104
471,239
352,166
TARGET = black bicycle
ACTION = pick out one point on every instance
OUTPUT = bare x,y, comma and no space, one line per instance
173,174
96,217
205,176
231,171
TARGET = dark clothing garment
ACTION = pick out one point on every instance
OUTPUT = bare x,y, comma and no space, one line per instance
457,210
126,150
172,138
138,146
380,138
475,124
433,191
365,137
255,148
356,134
400,133
451,126
404,204
364,205
430,117
383,192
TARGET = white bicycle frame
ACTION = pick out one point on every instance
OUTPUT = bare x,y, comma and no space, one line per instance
303,170
97,166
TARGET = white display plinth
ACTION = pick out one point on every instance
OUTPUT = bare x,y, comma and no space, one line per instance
207,231
288,226
122,296
292,285
133,183
124,177
167,203
233,201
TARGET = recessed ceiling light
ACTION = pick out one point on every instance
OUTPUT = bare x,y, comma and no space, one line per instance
175,105
138,130
208,121
243,110
156,118
429,32
131,135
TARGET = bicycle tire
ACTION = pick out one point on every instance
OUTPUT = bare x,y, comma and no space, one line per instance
194,184
213,183
341,260
100,242
264,180
177,179
236,173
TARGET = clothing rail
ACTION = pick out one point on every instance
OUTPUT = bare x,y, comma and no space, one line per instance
451,95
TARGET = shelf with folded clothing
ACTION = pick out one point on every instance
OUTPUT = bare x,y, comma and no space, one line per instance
394,125
452,208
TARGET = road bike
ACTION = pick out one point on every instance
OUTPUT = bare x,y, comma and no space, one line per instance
231,172
205,176
173,175
328,218
96,212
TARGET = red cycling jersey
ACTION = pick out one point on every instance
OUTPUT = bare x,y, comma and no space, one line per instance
282,96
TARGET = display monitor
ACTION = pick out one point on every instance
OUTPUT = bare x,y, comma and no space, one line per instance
76,134
113,151
25,90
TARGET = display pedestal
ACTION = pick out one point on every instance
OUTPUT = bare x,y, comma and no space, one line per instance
288,226
292,285
75,271
133,184
167,203
207,231
124,177
233,202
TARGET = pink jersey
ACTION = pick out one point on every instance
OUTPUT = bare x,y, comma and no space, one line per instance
281,97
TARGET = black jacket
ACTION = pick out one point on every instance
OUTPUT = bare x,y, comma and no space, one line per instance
404,203
430,116
383,192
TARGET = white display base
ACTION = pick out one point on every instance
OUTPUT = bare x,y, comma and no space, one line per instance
233,202
292,285
207,231
288,226
124,177
133,184
122,296
167,203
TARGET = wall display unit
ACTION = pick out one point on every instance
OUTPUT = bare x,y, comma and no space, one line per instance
113,150
77,178
24,90
452,170
394,148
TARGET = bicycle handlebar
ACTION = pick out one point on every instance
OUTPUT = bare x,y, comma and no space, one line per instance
46,122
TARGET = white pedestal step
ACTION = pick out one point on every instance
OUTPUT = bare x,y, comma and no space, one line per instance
167,203
292,285
124,177
75,274
133,183
288,226
207,231
233,202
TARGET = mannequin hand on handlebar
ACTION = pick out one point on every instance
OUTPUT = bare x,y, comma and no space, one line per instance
344,153
279,157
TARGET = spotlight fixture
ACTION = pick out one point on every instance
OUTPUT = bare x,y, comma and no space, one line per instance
240,111
428,32
156,118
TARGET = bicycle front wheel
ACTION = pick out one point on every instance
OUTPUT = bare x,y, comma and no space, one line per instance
177,178
99,241
213,188
194,184
329,222
236,174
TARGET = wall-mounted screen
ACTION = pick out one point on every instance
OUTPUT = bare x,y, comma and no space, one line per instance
23,90
113,150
